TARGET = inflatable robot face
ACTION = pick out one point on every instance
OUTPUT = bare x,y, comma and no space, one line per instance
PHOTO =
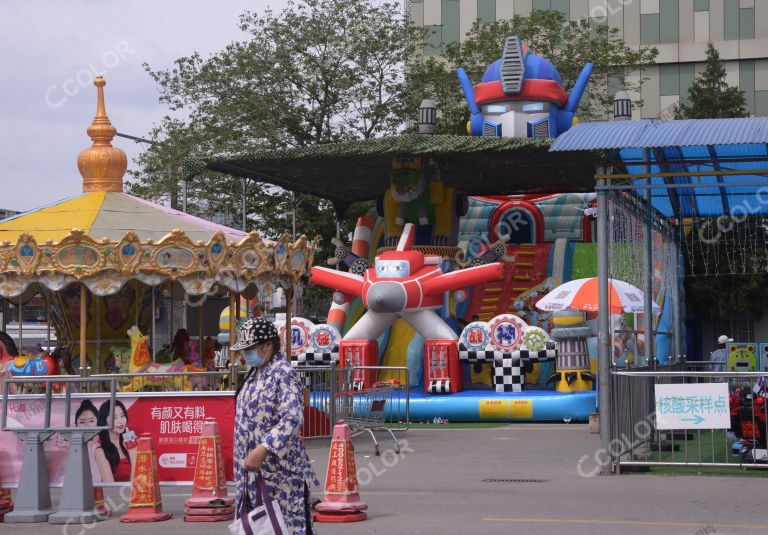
524,118
393,269
522,95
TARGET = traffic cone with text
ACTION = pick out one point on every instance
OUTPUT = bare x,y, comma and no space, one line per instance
146,504
98,501
6,503
209,501
341,497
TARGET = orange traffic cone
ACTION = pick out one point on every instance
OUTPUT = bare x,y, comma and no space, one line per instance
341,498
6,503
146,504
98,501
209,501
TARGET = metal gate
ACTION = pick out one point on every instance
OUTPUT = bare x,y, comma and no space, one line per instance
636,440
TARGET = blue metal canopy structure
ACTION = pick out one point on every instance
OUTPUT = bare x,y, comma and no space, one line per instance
696,168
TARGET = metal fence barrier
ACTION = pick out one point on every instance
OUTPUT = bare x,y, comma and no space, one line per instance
215,381
321,383
636,440
33,496
325,384
320,386
632,400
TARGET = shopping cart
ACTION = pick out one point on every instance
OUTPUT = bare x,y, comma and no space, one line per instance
367,410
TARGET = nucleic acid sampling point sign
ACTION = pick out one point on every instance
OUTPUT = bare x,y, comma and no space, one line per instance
692,406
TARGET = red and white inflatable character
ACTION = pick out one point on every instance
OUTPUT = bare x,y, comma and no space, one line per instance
408,284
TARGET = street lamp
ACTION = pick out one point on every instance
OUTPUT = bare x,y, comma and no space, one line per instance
427,117
622,106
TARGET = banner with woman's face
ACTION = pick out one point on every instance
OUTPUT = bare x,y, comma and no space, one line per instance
175,423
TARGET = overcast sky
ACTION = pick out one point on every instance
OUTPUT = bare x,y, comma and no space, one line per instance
50,50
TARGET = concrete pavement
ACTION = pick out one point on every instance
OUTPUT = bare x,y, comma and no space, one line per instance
516,479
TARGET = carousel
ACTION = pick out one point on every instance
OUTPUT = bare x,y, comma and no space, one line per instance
104,261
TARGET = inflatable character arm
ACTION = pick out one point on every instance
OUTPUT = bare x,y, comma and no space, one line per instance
463,278
565,118
347,283
475,118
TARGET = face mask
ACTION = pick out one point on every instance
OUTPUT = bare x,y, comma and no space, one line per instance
253,358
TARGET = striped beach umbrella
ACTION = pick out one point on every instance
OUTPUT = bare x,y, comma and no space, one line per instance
582,294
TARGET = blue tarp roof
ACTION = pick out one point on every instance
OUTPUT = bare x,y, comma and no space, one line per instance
702,145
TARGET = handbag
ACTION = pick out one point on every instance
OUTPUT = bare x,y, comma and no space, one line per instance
265,518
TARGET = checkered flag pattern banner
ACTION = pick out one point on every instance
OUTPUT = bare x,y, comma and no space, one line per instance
545,355
317,359
508,367
508,373
440,386
477,357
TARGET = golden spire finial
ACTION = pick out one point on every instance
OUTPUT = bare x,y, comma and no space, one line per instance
101,165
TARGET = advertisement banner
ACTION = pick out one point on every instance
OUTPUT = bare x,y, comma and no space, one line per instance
175,422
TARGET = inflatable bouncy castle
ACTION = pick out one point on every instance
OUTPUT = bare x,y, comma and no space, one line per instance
446,285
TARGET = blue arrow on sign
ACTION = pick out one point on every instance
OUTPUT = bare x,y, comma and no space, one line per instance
696,419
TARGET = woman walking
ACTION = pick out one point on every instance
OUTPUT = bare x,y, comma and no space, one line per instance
268,420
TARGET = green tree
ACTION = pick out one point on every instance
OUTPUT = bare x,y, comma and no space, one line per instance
317,72
710,96
569,45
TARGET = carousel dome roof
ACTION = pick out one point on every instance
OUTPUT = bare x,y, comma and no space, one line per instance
105,237
109,214
104,210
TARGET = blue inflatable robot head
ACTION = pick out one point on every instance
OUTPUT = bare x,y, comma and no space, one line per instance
522,95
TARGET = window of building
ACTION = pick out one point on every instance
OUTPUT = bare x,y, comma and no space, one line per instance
649,29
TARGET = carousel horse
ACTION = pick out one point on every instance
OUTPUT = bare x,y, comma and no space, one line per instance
164,355
185,348
64,357
117,359
18,365
209,354
141,362
76,362
8,349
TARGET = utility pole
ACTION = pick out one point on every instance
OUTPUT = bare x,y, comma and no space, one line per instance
296,200
245,193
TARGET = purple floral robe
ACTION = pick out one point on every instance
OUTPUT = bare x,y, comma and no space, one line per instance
270,411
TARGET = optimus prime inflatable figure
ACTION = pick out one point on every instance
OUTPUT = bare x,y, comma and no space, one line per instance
522,95
408,284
